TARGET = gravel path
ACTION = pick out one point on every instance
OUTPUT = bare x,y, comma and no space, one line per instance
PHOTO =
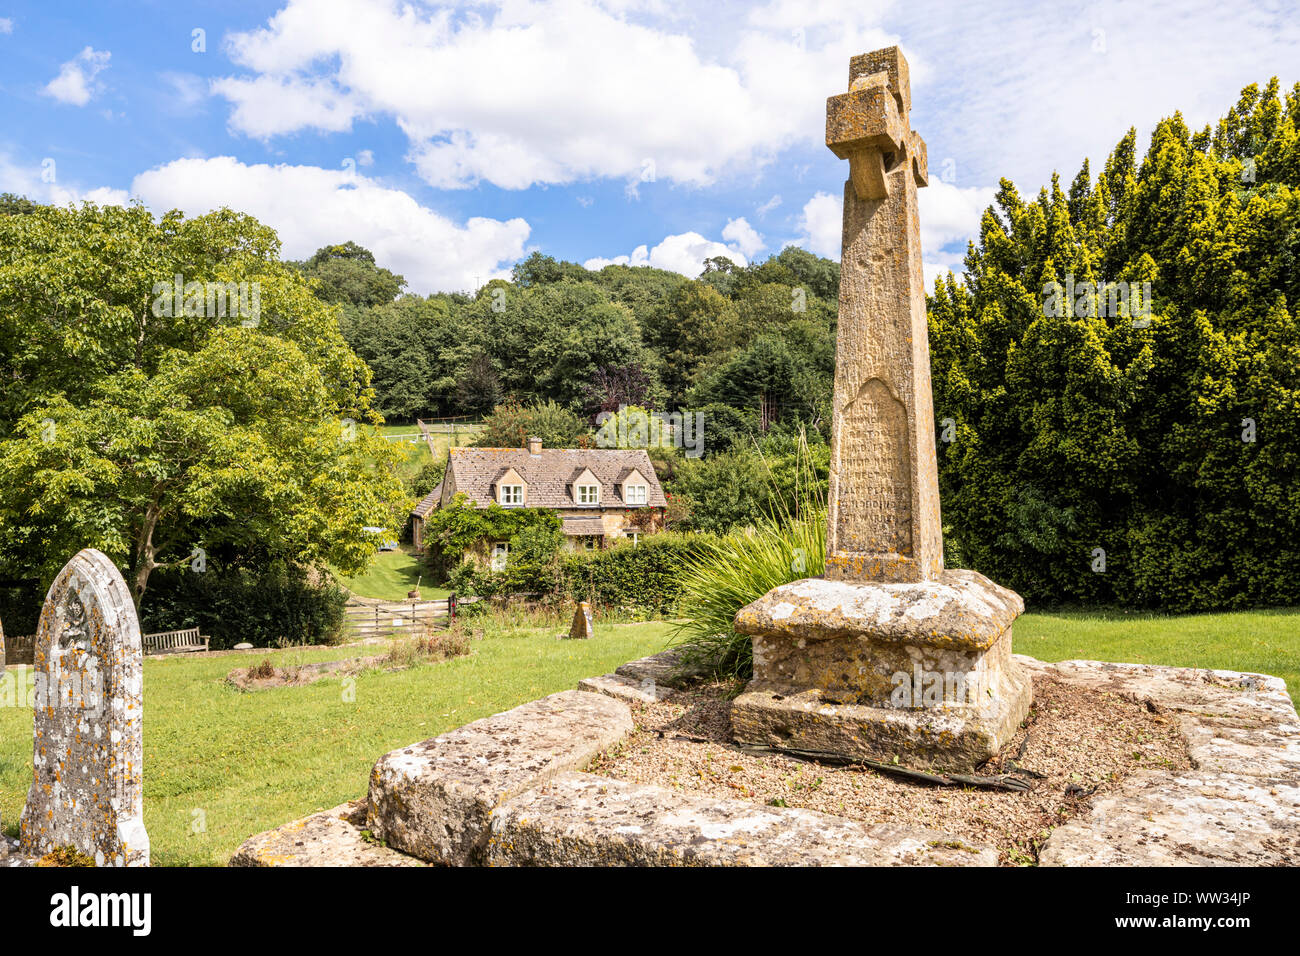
1083,742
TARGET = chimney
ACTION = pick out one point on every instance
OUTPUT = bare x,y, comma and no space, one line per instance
534,446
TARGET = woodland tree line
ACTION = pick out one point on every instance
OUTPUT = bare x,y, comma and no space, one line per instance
1085,457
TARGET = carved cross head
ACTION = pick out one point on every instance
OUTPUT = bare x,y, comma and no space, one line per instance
869,125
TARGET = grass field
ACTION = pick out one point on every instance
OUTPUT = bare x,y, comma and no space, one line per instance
1265,642
412,447
390,576
242,763
461,436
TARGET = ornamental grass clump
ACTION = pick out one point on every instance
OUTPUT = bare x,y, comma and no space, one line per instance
738,568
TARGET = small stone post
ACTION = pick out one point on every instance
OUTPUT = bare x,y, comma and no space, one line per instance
582,628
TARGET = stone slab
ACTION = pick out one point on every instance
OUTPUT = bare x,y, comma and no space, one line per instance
627,689
665,668
962,610
1233,722
434,799
579,819
1195,818
329,838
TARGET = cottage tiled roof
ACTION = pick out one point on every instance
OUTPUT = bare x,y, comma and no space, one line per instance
428,502
549,474
578,526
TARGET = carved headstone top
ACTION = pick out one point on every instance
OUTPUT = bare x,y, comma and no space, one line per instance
884,484
88,748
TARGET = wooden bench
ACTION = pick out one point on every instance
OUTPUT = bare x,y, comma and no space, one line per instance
175,642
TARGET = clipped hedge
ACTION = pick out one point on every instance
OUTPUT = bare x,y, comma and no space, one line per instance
281,607
648,575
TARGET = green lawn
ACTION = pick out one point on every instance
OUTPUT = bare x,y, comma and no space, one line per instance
412,447
249,762
390,576
243,763
1264,642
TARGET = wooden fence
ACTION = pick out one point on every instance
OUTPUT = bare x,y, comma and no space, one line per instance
18,649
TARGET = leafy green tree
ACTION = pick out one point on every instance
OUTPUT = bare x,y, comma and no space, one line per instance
511,425
347,274
697,324
149,425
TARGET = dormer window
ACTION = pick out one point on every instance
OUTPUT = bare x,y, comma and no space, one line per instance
634,494
588,494
512,494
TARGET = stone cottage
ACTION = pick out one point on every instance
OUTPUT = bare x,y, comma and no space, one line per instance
601,494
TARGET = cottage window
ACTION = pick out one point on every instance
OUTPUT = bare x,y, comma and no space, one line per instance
512,494
588,494
500,555
636,494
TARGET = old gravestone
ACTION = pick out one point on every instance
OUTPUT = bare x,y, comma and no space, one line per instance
88,748
888,656
582,627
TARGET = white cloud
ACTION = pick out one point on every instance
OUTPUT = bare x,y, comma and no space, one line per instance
366,158
518,92
685,253
6,25
951,214
820,225
1026,90
187,89
743,237
75,83
310,207
263,104
768,206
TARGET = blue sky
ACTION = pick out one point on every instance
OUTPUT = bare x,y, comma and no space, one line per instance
453,140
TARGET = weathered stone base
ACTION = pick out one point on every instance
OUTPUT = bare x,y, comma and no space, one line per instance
505,791
578,819
918,671
956,738
434,799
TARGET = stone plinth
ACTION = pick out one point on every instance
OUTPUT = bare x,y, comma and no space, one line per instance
921,672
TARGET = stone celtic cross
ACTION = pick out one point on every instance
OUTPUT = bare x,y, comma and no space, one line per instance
884,484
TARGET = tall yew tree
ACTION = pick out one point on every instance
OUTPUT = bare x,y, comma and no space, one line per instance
1101,457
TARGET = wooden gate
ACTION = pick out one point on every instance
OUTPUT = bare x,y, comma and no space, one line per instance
395,619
